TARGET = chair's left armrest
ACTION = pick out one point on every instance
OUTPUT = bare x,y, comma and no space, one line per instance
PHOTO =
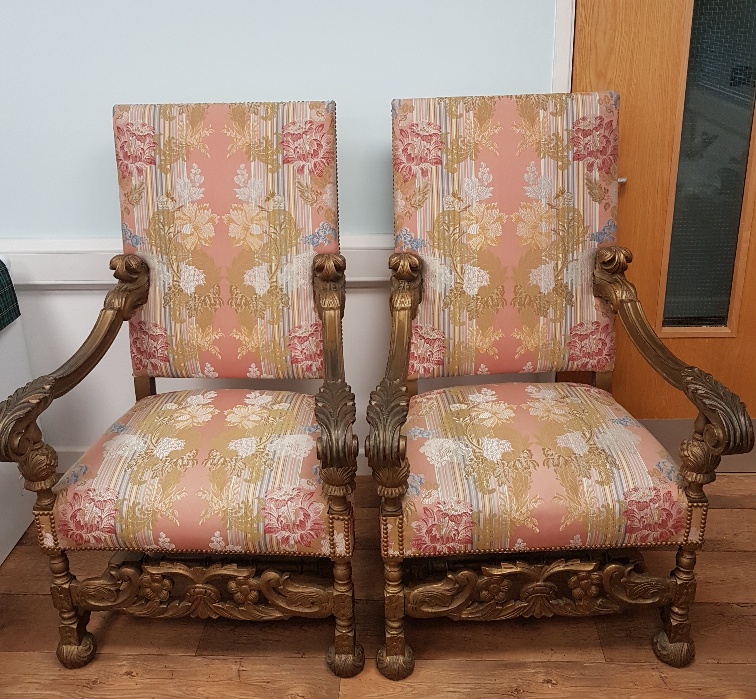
20,436
335,410
723,425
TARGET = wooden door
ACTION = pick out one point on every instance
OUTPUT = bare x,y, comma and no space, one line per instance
640,49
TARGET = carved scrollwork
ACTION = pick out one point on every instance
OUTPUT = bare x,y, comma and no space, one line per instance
626,586
329,282
385,447
293,598
131,293
729,429
335,409
173,589
444,598
335,412
389,403
561,587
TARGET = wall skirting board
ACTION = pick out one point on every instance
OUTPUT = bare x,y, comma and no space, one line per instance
61,285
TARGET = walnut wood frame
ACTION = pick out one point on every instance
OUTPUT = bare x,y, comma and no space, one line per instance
255,588
503,587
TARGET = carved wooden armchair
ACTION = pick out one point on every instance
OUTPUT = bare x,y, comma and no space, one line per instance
526,499
225,502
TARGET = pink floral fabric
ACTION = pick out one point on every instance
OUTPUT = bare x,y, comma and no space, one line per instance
506,200
210,471
228,205
516,467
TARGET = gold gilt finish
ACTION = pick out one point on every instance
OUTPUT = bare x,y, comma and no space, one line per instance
532,586
261,588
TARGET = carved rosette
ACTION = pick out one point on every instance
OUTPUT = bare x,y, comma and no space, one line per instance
173,589
560,587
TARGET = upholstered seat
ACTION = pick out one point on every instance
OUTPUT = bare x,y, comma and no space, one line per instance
228,471
523,467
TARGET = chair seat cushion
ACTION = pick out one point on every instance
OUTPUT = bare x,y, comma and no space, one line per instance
216,472
515,467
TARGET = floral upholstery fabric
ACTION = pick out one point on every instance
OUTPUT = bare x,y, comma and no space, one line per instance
516,467
506,199
228,204
217,472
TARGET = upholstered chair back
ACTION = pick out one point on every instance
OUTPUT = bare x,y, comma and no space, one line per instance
228,204
506,200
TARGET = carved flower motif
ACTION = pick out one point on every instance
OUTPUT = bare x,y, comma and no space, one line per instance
149,347
155,587
585,584
135,148
594,141
445,527
244,590
591,346
494,589
306,348
293,516
87,515
426,350
308,146
652,515
417,148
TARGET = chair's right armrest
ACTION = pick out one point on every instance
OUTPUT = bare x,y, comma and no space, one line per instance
20,436
389,402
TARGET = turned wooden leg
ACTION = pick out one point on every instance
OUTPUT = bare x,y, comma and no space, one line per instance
395,660
76,646
673,644
346,657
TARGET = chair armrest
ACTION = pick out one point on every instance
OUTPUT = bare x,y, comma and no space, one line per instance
389,402
20,436
335,410
723,425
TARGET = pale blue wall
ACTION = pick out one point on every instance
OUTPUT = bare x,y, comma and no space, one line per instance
64,64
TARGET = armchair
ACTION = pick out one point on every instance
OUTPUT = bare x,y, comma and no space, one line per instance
225,502
526,499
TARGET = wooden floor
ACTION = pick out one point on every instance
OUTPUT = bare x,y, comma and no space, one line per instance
605,657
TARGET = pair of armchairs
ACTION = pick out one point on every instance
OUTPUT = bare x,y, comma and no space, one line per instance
498,500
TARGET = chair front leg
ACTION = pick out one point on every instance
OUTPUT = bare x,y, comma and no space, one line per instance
395,659
673,645
77,646
346,657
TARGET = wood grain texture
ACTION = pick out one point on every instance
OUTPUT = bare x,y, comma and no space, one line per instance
565,658
639,48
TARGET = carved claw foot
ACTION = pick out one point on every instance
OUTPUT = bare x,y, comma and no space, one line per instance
677,654
71,656
395,667
346,664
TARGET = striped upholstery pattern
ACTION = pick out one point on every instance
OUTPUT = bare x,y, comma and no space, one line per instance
228,204
215,472
517,467
506,199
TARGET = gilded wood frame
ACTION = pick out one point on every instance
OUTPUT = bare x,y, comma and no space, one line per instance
503,587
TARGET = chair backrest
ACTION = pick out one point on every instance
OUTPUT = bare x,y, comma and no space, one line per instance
507,199
228,204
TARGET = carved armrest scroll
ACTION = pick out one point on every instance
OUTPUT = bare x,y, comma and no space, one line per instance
335,409
389,402
723,425
20,436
